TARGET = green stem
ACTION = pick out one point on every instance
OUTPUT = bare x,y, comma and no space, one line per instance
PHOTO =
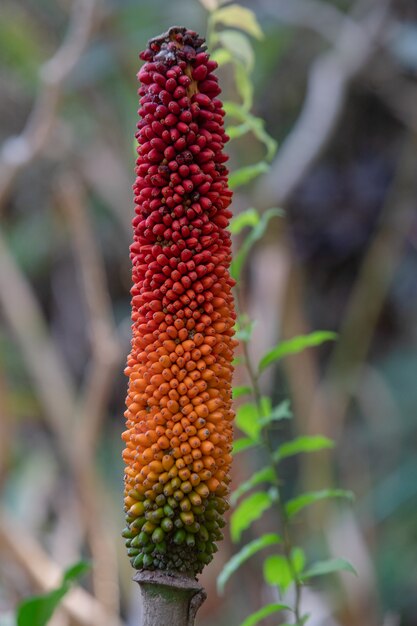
287,544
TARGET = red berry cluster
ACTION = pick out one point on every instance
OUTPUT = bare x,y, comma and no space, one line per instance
179,415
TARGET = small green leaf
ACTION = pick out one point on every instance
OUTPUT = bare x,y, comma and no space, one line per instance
295,345
269,609
243,555
278,572
250,123
237,392
328,566
221,56
240,17
233,109
250,217
255,235
312,443
281,412
298,559
247,512
236,131
239,47
257,126
266,405
38,610
295,505
245,174
244,85
244,443
266,474
76,571
247,420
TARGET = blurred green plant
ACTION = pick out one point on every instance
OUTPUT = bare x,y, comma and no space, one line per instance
38,610
257,417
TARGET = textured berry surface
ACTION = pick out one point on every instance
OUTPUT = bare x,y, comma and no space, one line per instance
179,416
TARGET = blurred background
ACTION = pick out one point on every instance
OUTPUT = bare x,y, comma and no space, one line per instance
336,82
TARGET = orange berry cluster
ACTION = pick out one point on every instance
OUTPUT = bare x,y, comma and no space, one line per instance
179,406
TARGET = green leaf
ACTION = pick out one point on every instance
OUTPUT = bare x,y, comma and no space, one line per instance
244,443
256,233
251,123
236,131
247,420
239,17
244,85
264,475
278,572
237,392
245,174
281,412
250,217
328,566
266,610
76,571
239,47
266,405
233,109
295,505
38,610
221,56
247,512
295,345
243,555
298,559
257,127
312,443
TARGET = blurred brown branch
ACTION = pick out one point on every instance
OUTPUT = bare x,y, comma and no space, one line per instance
17,152
105,346
328,81
97,159
49,373
74,418
56,391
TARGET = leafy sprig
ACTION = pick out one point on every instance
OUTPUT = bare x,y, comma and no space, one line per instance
230,29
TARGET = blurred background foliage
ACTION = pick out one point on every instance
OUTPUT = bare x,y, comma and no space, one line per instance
335,82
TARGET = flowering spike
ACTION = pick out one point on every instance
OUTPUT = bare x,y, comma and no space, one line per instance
179,414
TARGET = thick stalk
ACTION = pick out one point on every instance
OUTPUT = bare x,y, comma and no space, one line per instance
169,599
